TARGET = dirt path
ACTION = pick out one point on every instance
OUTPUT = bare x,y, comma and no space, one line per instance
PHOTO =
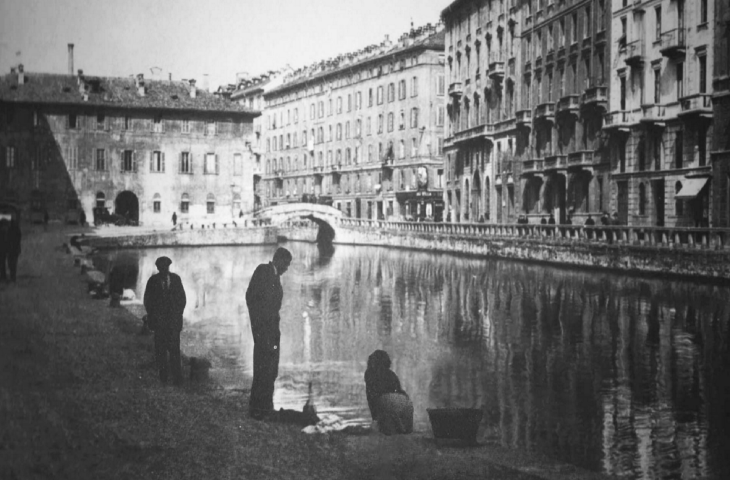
80,398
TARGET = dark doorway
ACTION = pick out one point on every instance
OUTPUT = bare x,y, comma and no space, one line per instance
623,202
127,205
658,189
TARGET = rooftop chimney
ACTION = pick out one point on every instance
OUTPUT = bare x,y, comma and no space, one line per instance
140,85
70,58
193,90
21,74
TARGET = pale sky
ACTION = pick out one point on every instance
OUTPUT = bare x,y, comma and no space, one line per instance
190,38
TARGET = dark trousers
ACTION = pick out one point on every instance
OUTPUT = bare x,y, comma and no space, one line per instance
167,354
12,261
265,371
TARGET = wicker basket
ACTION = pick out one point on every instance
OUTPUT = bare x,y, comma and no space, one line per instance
455,423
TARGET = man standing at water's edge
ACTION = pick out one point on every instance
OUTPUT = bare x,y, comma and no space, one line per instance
263,299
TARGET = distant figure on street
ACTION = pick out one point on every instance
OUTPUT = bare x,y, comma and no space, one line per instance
10,239
174,219
263,299
240,213
589,221
551,220
614,219
389,404
543,221
82,218
164,300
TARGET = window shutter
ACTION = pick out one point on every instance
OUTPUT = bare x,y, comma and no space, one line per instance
152,161
121,161
163,161
217,165
134,161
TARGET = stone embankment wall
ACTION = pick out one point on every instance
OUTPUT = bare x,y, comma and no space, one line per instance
660,260
185,238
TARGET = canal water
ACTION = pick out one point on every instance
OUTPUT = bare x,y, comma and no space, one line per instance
624,375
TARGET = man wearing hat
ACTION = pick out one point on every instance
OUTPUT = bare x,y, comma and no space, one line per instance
164,299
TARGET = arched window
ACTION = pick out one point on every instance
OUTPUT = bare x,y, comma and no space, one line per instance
184,203
320,159
678,203
348,156
642,199
210,203
100,200
157,203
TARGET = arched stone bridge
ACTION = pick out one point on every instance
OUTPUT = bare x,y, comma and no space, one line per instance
328,218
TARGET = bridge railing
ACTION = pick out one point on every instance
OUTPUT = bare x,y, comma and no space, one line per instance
684,237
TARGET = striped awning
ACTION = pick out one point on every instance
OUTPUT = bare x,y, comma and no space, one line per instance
691,187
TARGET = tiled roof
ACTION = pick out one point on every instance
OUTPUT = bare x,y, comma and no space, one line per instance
118,92
435,41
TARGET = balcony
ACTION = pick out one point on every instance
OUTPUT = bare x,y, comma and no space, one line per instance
545,112
528,21
496,66
573,49
583,158
561,52
474,133
635,54
538,62
555,162
550,56
528,68
673,43
654,115
524,118
595,97
569,105
600,38
456,90
620,120
532,166
697,105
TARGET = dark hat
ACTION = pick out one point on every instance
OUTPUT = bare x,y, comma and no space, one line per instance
163,261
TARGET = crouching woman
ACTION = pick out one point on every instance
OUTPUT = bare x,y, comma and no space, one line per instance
389,404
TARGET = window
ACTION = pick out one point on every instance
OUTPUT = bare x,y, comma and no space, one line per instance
210,128
349,102
574,27
642,199
414,147
622,37
358,100
380,123
210,204
414,87
100,159
339,104
678,204
72,157
703,73
211,164
622,98
390,122
680,78
157,203
703,11
358,128
441,86
678,149
402,149
370,97
237,164
157,162
380,95
391,92
72,121
339,131
186,165
128,164
587,26
296,115
186,126
401,90
368,126
330,110
657,152
414,118
321,109
440,116
100,200
311,112
158,126
9,157
657,86
184,203
658,30
402,121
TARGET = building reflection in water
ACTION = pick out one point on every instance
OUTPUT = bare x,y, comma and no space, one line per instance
624,375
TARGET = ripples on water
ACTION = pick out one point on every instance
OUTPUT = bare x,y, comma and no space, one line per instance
623,375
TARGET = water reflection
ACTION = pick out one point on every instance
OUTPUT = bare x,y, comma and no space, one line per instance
624,375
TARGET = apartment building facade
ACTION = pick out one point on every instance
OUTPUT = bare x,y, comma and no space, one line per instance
362,131
143,149
720,154
660,119
528,88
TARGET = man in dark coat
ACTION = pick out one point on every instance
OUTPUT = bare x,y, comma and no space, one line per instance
263,298
164,300
10,240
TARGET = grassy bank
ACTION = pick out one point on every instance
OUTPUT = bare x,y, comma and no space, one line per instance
80,398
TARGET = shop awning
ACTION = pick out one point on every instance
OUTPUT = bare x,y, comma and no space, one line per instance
691,187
